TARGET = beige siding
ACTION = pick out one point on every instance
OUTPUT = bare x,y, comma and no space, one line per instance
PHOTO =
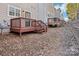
39,11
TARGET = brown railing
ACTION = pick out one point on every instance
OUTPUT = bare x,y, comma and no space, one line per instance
41,26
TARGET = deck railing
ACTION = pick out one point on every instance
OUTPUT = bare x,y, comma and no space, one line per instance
41,26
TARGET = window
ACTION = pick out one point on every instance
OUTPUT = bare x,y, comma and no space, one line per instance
27,14
14,11
17,12
11,12
27,23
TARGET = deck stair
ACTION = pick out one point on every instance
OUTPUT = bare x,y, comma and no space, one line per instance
40,26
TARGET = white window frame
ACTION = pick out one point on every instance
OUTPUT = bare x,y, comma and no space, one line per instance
25,14
15,10
29,24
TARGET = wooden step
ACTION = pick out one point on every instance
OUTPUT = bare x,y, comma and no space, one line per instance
40,26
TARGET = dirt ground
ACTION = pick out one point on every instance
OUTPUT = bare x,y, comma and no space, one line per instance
32,44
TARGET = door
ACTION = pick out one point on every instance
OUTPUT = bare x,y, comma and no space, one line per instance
27,14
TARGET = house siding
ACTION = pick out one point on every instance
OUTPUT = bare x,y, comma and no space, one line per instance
39,11
42,12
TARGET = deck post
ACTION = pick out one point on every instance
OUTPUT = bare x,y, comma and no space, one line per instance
20,33
1,31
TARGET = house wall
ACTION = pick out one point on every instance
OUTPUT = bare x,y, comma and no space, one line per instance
39,11
42,12
50,10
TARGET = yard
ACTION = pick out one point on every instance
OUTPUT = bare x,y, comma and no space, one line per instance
31,43
55,42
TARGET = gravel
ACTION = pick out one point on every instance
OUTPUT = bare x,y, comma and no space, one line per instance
71,41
